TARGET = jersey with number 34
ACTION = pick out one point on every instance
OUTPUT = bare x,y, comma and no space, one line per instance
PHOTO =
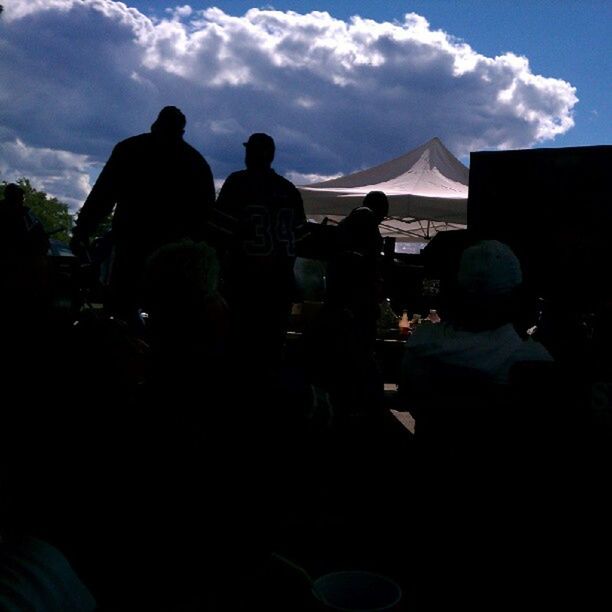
265,213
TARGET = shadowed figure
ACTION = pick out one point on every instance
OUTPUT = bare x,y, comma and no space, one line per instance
339,356
359,230
359,241
24,277
188,321
160,188
21,233
492,437
478,336
261,216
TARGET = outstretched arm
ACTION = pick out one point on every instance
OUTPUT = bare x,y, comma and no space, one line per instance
100,202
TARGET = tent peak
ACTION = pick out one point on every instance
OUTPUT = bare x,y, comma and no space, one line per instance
431,156
427,183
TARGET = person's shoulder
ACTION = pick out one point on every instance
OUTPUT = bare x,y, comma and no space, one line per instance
532,350
358,219
134,140
127,145
360,214
237,177
234,181
191,150
282,181
364,214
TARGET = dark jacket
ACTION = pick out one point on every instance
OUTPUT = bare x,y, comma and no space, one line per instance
359,232
162,189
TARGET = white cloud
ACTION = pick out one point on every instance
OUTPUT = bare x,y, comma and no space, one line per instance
79,75
181,11
61,174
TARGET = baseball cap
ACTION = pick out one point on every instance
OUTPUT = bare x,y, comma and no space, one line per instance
489,268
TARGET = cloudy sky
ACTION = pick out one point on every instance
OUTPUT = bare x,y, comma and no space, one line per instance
340,85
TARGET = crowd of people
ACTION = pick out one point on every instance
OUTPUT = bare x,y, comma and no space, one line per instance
155,454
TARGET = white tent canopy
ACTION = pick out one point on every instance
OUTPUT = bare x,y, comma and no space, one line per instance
427,189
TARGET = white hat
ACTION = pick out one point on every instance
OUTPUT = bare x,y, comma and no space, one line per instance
489,268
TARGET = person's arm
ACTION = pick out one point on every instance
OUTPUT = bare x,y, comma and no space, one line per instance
203,201
222,224
301,222
228,196
209,186
100,202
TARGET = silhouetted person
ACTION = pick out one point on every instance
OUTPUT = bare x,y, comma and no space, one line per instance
338,349
495,435
24,279
161,190
205,499
479,335
264,215
188,319
359,230
21,232
359,236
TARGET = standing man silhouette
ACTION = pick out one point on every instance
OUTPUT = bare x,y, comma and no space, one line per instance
359,255
161,190
263,215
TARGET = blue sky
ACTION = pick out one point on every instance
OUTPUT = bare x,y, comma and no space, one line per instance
339,92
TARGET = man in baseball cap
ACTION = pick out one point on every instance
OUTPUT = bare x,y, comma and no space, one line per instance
263,216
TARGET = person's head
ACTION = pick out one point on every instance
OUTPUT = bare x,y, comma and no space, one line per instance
14,194
259,151
378,203
488,282
169,123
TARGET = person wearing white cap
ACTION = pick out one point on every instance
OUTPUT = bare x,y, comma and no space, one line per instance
480,336
488,425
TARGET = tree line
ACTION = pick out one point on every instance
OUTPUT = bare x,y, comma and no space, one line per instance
54,215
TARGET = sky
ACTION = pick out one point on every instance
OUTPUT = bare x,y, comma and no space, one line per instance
340,85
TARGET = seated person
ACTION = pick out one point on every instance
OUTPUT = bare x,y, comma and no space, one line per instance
454,372
494,452
478,333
